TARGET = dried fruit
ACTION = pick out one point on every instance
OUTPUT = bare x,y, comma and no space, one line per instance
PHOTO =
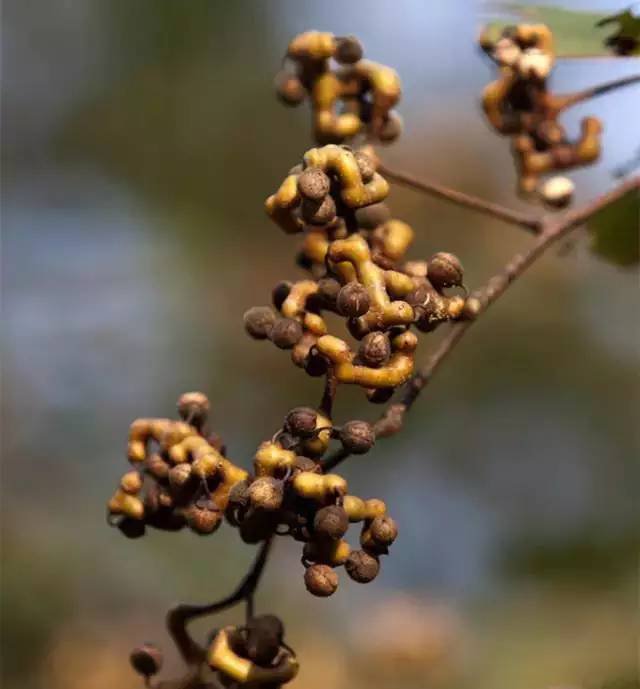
357,437
362,566
321,580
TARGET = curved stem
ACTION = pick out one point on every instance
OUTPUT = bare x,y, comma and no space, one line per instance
494,210
181,615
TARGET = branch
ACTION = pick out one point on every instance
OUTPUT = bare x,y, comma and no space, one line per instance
600,90
552,230
181,615
461,199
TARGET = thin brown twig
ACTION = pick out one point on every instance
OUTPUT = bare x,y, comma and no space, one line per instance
329,393
599,90
495,210
553,230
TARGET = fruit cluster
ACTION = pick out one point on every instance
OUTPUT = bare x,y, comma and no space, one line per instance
180,475
355,253
518,104
355,96
253,655
288,494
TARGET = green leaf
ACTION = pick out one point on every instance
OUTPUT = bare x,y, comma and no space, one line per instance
576,33
615,230
626,39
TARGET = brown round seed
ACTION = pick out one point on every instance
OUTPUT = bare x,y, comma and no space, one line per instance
321,580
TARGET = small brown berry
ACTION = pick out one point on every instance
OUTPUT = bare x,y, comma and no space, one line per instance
313,184
365,165
321,580
264,636
301,422
370,217
258,321
146,660
306,464
202,519
315,365
318,212
357,437
329,288
445,270
285,333
384,530
375,349
193,407
362,567
256,526
179,476
290,89
239,494
331,522
280,293
353,300
348,50
557,192
266,493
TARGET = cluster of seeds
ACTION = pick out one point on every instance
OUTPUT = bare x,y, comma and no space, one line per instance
289,494
355,254
253,655
180,475
518,104
349,96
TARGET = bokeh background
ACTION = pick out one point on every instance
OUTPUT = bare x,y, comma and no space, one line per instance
139,142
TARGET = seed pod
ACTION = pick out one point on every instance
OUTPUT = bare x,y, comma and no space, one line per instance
239,494
179,477
306,464
329,288
384,530
202,519
264,636
290,89
375,349
146,660
445,270
266,493
318,212
193,407
301,422
131,482
285,333
370,217
362,567
331,522
321,580
557,192
357,437
353,300
313,184
131,528
365,165
348,50
315,364
280,293
156,466
258,321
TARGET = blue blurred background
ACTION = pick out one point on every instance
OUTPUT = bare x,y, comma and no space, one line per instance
139,142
